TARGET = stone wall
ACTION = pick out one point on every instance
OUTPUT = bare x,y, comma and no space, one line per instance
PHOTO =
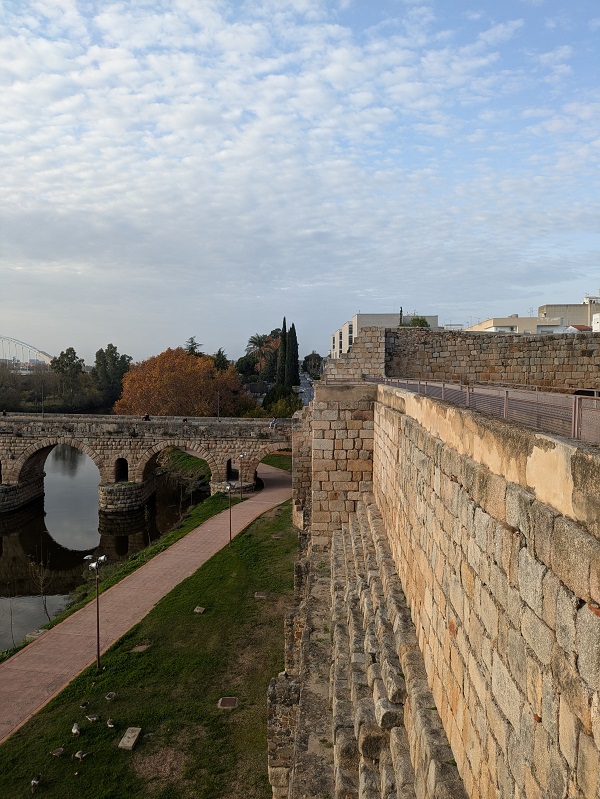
552,361
302,474
458,605
341,430
495,533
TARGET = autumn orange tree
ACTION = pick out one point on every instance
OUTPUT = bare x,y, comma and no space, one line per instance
177,383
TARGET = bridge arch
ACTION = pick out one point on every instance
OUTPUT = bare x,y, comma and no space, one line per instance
146,461
31,462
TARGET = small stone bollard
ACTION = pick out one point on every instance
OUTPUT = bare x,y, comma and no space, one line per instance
227,702
129,740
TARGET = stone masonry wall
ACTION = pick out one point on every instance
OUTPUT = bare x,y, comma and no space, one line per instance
495,533
342,454
551,361
301,476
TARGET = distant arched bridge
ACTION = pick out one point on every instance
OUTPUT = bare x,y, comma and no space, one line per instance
15,353
125,449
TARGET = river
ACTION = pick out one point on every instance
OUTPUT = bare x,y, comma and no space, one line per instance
43,546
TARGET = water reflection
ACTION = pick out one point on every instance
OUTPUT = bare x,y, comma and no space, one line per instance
42,546
71,498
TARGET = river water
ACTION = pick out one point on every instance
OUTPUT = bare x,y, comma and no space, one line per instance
43,546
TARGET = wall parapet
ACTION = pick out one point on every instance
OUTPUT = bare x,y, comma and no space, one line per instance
556,362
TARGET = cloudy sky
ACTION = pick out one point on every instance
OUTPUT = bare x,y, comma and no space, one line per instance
179,168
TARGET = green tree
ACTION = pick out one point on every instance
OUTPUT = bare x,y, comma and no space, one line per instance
260,345
418,321
312,364
221,360
285,406
192,347
70,369
281,356
292,369
108,372
246,368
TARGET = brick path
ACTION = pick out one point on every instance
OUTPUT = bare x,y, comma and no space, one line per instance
42,669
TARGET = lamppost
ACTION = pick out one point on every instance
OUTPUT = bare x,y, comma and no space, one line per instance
229,495
95,567
242,456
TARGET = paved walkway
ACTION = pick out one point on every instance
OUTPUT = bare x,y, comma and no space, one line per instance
42,669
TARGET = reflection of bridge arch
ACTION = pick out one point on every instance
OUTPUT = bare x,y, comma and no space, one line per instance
41,548
13,351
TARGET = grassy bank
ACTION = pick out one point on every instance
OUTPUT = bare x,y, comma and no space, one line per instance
182,464
188,748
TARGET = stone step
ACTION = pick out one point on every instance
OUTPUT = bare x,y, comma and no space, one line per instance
401,657
369,782
346,783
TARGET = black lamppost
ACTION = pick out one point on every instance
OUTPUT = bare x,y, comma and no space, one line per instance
95,567
229,495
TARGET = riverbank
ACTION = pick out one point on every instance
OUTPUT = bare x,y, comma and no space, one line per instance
191,477
169,672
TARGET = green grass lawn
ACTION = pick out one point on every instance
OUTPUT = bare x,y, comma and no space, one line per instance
188,747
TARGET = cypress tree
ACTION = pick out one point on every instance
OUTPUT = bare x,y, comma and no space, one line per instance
292,371
281,357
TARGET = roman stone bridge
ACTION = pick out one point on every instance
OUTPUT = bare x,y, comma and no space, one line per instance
125,449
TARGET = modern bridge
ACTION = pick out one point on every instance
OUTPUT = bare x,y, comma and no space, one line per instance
18,354
125,449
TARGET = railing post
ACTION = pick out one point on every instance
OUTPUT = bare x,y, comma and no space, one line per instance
443,393
467,403
505,403
575,419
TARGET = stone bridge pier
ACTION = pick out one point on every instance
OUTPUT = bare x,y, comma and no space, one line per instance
125,450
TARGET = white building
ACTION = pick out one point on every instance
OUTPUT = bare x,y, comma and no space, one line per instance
575,313
524,325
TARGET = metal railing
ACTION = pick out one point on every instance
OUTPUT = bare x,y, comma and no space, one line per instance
569,415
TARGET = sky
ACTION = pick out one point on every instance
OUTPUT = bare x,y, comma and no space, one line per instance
204,168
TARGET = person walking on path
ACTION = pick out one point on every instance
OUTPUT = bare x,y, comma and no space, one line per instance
35,674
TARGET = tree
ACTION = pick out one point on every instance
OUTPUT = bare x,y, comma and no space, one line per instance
177,383
292,369
261,346
192,347
285,406
312,364
246,368
69,368
221,360
281,352
418,321
108,372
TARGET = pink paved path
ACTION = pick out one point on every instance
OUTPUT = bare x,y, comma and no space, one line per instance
38,672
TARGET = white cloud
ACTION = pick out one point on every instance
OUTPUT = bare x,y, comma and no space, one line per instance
196,167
